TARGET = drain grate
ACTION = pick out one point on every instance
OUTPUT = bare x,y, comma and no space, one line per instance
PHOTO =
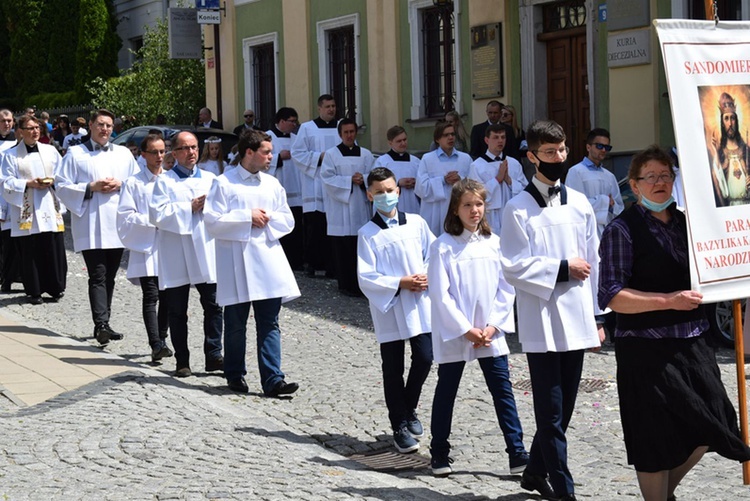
391,462
586,386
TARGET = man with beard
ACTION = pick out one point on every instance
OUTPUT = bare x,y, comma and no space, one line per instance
729,160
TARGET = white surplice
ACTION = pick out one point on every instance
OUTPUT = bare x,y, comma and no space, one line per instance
552,316
598,184
187,254
288,174
251,264
45,213
431,187
467,290
311,142
133,225
384,256
498,193
93,220
408,201
347,207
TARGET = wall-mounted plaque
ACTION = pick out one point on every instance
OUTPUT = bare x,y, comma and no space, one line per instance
486,61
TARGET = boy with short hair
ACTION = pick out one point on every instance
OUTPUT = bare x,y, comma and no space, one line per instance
501,175
549,253
392,251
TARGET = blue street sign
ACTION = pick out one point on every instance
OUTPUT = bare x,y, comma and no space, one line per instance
207,4
603,13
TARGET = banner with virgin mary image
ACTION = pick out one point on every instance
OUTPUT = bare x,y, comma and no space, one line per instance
708,75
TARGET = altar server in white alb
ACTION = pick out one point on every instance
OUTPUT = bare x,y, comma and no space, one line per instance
282,166
139,236
404,166
36,222
89,185
392,266
247,213
549,252
313,139
9,258
598,184
472,310
186,252
438,171
501,175
345,168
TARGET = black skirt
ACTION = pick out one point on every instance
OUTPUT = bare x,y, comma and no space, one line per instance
672,401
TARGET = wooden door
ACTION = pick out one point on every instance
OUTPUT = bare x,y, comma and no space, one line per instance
567,88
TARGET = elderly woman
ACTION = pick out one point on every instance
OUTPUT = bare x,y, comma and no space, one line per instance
673,404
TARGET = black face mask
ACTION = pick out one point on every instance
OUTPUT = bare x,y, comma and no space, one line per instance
552,171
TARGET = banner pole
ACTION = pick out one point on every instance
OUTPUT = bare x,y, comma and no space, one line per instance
739,352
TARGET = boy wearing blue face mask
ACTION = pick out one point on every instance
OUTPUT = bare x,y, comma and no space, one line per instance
392,251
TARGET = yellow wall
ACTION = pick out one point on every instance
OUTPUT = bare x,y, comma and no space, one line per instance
385,100
296,59
633,121
487,12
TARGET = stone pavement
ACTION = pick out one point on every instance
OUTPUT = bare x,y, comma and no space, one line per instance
121,428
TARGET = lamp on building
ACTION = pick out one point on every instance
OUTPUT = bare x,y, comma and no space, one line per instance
443,4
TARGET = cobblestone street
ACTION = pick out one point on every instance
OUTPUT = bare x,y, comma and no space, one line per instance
143,435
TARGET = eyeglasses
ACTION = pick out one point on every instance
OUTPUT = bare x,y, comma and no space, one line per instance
653,178
6,120
600,146
192,147
449,134
33,127
249,116
551,153
155,152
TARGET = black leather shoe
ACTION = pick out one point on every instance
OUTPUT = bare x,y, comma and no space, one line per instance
183,372
35,300
113,336
238,385
283,388
538,483
101,333
215,364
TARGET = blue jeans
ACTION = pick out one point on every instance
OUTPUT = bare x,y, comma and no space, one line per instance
554,383
497,377
268,340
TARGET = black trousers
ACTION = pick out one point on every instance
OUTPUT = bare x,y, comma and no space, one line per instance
44,265
10,267
317,243
294,243
402,399
213,319
345,255
155,311
102,265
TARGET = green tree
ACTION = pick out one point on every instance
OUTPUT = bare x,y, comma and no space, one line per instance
96,53
63,16
26,62
155,84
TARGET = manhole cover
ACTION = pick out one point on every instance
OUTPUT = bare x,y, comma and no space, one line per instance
391,461
586,386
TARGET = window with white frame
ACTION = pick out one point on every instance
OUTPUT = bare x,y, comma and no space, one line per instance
261,77
338,57
434,59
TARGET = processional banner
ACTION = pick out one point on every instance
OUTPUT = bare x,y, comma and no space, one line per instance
708,75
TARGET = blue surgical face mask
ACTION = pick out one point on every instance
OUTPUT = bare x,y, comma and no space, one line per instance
653,206
385,202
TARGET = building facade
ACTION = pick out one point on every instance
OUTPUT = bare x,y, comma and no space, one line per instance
583,63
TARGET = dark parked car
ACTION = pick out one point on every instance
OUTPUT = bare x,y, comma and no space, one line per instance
228,140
